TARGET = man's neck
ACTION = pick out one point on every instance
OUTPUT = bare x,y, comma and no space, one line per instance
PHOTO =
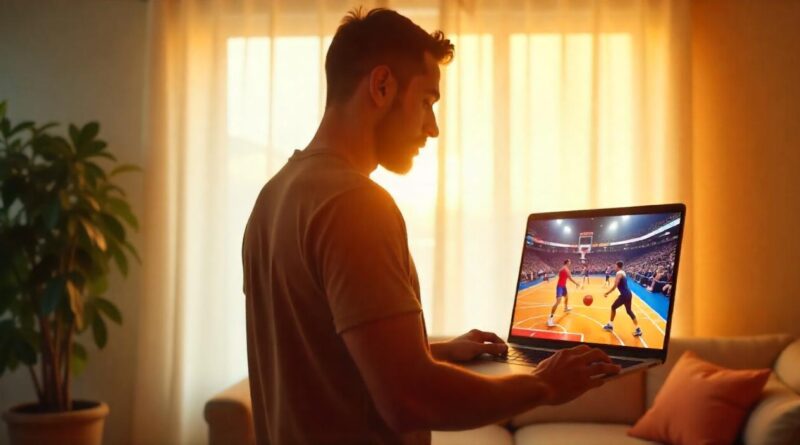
344,133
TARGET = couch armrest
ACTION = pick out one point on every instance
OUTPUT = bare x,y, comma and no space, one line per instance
229,416
776,417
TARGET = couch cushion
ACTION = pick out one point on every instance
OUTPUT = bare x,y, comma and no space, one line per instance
732,352
491,434
617,401
701,402
788,366
775,420
576,433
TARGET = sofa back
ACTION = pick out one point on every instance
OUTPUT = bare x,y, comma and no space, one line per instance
625,399
760,351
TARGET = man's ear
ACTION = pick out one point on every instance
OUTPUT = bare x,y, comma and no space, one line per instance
382,86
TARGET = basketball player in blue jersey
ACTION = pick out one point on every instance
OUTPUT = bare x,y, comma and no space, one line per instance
625,298
585,274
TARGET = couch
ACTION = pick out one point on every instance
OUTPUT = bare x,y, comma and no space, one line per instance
601,416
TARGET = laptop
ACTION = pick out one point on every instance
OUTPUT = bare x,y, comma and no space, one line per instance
586,264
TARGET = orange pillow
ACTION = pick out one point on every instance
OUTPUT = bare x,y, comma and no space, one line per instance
701,403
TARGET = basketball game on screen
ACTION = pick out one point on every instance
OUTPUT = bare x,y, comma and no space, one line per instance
605,280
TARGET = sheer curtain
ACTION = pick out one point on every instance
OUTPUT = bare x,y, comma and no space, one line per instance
548,105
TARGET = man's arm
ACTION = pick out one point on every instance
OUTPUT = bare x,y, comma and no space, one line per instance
412,391
569,275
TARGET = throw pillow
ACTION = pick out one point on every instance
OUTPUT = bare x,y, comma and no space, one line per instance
701,403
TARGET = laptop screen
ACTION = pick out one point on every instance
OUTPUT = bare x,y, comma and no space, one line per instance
604,277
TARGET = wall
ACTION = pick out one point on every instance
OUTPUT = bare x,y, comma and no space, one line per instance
746,106
76,61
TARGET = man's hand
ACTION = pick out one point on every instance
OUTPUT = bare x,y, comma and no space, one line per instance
568,373
469,346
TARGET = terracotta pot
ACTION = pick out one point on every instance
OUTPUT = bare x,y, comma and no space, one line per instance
81,426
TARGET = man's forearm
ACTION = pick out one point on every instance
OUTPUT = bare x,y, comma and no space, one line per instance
439,351
447,397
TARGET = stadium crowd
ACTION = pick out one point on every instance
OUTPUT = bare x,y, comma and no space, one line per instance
652,269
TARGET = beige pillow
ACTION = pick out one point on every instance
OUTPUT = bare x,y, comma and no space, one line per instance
776,417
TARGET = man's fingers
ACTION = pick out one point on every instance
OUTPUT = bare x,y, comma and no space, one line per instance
484,336
602,368
494,348
594,355
580,349
494,338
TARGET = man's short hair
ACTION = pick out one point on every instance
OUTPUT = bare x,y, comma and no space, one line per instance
619,264
566,261
381,36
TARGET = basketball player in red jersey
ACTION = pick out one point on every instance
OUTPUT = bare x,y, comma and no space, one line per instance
561,291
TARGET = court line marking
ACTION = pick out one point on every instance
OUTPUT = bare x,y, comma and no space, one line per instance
621,343
565,331
651,320
650,307
517,325
648,315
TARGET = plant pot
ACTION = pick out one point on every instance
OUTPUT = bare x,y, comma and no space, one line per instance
81,426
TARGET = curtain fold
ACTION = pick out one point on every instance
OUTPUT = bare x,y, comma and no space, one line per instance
548,105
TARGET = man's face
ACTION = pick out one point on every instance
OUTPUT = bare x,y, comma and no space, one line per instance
403,131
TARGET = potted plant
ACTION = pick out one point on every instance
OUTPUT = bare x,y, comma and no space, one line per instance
63,224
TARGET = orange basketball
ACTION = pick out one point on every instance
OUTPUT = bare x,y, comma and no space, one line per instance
587,300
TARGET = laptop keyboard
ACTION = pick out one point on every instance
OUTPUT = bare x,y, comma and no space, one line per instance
532,357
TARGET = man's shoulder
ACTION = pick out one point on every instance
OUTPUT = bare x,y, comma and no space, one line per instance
319,182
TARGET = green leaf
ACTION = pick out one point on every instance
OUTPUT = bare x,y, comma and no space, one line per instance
114,227
52,213
100,332
89,314
93,204
132,250
77,362
53,294
12,188
98,285
21,126
119,258
109,309
88,133
120,208
75,303
103,154
94,171
123,169
74,134
104,190
95,235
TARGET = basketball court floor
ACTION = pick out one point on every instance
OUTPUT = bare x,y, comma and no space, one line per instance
585,323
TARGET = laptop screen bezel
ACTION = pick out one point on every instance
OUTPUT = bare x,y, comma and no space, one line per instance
629,351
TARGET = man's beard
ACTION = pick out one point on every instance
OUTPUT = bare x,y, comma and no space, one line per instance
391,149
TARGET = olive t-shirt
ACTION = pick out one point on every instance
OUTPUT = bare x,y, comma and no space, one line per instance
325,250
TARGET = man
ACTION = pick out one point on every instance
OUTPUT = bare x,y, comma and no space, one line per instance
585,274
337,348
625,298
561,291
608,275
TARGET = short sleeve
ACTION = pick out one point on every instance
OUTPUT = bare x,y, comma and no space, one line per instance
359,249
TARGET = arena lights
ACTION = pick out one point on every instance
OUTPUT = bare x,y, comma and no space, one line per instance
613,226
567,229
625,217
559,221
